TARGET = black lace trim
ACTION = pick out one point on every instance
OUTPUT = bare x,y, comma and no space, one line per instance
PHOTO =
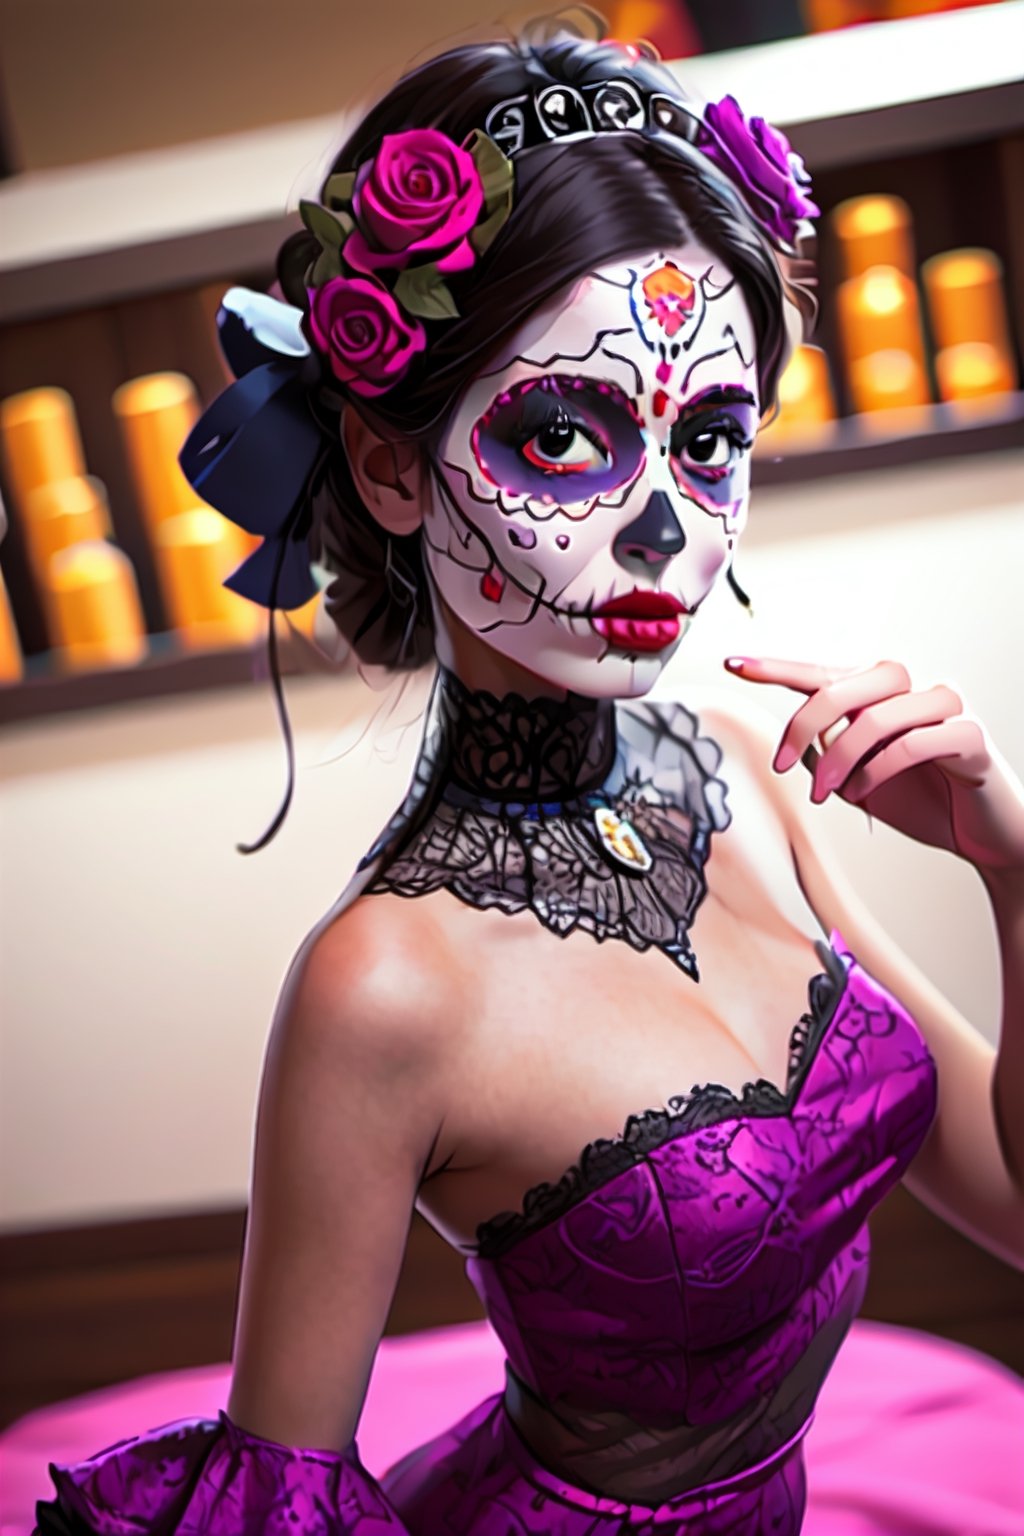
480,820
707,1104
525,749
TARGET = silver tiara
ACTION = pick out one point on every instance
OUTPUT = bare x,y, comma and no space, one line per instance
566,112
755,158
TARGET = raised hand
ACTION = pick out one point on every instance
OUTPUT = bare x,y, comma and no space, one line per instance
915,759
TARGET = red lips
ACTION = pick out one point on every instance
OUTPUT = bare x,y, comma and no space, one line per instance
639,621
641,605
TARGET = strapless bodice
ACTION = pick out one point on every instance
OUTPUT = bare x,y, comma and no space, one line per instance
696,1275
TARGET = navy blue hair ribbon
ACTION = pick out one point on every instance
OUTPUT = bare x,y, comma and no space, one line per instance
255,452
256,455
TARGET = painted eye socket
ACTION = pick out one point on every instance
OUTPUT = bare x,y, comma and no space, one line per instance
563,436
712,450
562,447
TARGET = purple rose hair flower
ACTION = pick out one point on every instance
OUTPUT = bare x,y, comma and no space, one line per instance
358,325
758,159
420,195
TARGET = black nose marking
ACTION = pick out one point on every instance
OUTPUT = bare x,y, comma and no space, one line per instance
653,537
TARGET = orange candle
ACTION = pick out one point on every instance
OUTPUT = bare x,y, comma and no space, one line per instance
806,402
880,325
11,663
875,231
156,414
195,551
973,370
62,513
888,380
94,599
41,441
967,308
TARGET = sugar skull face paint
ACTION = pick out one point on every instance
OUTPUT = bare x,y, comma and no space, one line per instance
668,301
561,440
591,482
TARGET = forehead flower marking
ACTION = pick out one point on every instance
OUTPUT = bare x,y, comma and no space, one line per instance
670,296
668,308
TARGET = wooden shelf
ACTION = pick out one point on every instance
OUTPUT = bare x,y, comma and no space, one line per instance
852,448
167,670
112,288
168,218
855,446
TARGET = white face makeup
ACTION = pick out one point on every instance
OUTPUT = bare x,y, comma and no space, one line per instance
593,482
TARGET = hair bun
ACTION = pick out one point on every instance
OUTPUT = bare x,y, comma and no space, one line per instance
572,21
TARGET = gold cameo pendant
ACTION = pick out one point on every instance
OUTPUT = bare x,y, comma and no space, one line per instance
621,841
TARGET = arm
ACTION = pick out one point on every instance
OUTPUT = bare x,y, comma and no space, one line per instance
966,1171
349,1111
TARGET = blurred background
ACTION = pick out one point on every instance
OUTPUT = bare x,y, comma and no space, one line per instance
152,156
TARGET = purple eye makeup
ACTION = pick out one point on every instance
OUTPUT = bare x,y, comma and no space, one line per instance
561,438
710,437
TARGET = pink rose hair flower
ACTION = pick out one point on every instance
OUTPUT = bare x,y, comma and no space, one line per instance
759,161
419,196
358,325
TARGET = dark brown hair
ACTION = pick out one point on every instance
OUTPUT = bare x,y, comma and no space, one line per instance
577,206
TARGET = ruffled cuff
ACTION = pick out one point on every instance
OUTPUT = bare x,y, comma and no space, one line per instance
205,1477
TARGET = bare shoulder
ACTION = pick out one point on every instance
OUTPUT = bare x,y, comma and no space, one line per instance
387,965
382,985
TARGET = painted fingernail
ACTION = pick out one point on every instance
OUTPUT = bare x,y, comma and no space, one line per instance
785,757
734,663
821,788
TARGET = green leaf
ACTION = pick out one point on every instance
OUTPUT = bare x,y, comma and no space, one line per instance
495,170
327,265
481,236
423,291
327,229
338,189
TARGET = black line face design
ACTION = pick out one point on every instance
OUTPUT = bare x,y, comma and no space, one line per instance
592,482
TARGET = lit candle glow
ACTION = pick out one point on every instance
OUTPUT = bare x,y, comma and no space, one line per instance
195,551
94,599
880,325
875,231
62,513
967,309
41,441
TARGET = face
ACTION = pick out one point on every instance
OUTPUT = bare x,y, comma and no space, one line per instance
592,483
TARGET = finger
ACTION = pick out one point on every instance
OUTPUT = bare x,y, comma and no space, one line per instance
830,704
951,740
873,729
804,676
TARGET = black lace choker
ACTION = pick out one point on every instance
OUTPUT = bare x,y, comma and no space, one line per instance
593,816
516,751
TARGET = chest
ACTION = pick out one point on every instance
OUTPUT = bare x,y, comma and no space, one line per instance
573,1036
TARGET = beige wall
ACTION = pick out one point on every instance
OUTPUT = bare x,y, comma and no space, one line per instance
83,79
140,955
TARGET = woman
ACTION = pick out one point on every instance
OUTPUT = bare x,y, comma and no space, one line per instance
538,313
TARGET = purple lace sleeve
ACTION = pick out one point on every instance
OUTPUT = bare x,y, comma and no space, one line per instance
210,1476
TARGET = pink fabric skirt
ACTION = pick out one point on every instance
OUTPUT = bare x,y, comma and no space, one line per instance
913,1436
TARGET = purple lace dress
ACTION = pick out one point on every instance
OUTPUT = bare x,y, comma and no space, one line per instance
669,1309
